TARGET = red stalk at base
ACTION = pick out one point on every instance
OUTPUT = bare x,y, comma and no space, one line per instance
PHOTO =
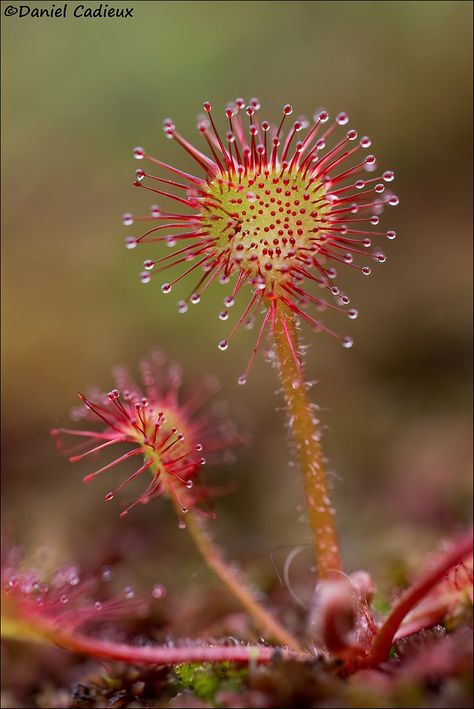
384,638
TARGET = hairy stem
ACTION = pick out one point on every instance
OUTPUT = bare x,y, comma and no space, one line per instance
43,631
384,638
156,655
308,448
228,573
234,581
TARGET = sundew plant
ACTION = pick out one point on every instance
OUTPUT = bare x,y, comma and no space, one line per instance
275,212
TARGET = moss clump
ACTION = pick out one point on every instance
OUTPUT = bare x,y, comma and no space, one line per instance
206,679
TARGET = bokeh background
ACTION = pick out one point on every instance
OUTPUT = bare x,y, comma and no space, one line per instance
78,94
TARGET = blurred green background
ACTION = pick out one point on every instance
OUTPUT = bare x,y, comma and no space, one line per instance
78,94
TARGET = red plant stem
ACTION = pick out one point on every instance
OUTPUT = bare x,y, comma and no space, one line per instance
156,655
229,574
384,638
305,434
236,583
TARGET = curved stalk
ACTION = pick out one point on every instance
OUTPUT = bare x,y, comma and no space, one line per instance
42,631
232,578
386,634
230,575
306,438
165,655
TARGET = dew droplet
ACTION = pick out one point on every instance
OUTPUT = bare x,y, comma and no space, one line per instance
73,578
242,379
127,219
148,265
182,306
353,314
223,315
145,277
223,345
347,342
199,447
139,174
391,234
189,484
64,599
393,201
342,118
109,496
374,220
106,574
155,211
158,591
138,153
166,288
366,270
388,176
195,298
229,301
131,242
128,592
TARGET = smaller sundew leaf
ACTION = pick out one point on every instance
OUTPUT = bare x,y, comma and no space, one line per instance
43,606
172,434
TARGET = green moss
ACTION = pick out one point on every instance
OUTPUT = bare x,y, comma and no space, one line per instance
381,605
205,680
